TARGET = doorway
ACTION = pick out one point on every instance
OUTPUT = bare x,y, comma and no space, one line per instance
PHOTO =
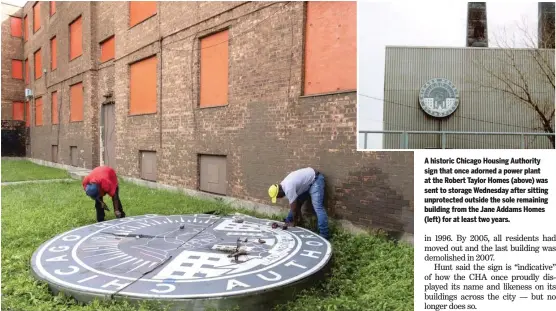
109,134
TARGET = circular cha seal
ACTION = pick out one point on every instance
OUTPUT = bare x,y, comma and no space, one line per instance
179,257
439,97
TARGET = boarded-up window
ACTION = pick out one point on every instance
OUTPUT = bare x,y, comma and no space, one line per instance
214,70
53,53
330,47
27,70
142,84
213,174
76,39
26,28
52,7
54,107
38,111
36,17
73,155
54,153
27,114
38,64
140,11
107,49
76,102
17,69
148,165
18,111
15,26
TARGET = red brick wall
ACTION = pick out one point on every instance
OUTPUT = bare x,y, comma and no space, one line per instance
82,69
12,48
267,129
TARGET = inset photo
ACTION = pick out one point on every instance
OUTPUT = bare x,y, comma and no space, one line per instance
477,75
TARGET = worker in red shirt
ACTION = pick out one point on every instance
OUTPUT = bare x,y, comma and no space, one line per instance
101,181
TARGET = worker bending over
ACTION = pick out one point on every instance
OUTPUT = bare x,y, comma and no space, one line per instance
297,187
101,181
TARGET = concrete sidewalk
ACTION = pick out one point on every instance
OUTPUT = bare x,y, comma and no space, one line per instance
36,181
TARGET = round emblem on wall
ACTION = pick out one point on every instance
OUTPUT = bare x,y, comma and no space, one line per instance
179,257
439,97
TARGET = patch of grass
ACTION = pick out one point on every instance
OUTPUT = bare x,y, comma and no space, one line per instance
19,170
368,272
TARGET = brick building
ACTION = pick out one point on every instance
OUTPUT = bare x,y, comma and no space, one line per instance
222,97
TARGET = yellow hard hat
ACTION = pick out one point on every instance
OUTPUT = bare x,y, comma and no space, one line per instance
273,192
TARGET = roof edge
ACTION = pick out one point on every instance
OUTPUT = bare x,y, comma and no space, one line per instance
457,48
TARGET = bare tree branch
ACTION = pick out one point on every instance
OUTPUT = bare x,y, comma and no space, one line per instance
526,75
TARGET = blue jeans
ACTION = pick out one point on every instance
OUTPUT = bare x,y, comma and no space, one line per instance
316,191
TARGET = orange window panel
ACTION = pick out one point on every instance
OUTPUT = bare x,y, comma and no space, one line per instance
28,114
330,47
36,17
17,69
38,64
38,111
76,102
54,107
52,7
27,71
142,84
18,111
53,53
140,11
107,49
214,70
15,26
76,38
26,28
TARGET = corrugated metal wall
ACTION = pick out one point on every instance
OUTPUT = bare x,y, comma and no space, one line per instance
480,109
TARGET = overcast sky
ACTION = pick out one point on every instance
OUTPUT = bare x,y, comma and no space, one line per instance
418,23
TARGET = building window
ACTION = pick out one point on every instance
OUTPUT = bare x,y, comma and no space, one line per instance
147,162
18,111
27,70
38,111
36,17
142,85
76,102
25,28
213,176
52,7
214,70
28,114
17,69
15,26
53,53
107,49
38,64
54,107
76,39
140,11
330,47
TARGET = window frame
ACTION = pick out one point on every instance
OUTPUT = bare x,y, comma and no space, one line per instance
21,24
53,57
114,52
39,98
22,69
39,50
82,102
69,39
142,21
39,16
156,108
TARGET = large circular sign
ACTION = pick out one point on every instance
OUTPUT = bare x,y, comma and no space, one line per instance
439,97
179,257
